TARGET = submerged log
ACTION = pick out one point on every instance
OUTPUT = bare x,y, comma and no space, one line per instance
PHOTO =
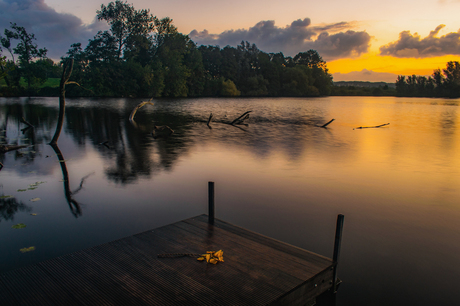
371,127
161,131
6,148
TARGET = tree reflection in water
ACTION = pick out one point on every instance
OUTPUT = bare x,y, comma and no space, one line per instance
10,206
75,207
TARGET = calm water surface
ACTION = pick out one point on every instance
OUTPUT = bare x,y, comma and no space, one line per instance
282,176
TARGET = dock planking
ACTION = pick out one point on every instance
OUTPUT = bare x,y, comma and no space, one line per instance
257,270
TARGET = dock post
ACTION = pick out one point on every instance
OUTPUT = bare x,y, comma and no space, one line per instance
337,243
211,202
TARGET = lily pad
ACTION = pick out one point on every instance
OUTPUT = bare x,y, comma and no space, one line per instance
36,184
19,226
25,250
34,200
32,188
6,196
33,214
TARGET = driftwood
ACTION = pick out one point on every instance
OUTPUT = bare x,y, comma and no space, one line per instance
371,127
131,117
27,123
106,144
6,148
241,118
326,124
209,121
158,131
161,131
235,123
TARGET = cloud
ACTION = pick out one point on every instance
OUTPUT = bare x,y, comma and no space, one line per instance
365,76
297,37
54,31
410,45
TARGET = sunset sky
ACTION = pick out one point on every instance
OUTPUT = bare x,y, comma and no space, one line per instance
363,40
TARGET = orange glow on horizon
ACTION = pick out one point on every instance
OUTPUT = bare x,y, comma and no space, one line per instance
389,64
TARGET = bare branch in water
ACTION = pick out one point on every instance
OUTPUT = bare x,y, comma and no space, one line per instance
371,127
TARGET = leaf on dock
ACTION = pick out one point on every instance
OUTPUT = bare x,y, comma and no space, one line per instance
212,257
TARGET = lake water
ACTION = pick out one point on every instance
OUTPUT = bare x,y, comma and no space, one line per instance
281,176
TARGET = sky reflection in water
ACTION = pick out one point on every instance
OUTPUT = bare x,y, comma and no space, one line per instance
280,176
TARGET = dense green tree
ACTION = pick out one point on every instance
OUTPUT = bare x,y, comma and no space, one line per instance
445,83
6,41
452,79
125,23
228,88
27,51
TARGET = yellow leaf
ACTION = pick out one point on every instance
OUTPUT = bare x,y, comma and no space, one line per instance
208,257
213,261
200,258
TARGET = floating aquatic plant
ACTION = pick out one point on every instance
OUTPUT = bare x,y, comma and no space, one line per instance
19,226
29,249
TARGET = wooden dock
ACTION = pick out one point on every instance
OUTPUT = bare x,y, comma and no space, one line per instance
257,271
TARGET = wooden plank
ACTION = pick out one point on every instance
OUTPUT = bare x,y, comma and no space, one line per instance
6,296
273,243
293,262
147,277
257,271
235,286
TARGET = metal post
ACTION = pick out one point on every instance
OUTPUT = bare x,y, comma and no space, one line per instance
211,202
337,244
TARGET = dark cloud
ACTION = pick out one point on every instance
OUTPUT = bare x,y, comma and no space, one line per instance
297,37
410,45
54,31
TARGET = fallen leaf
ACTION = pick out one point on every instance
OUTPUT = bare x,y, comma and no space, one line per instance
212,257
19,226
33,214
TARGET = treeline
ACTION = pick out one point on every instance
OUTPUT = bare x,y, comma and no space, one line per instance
445,83
143,56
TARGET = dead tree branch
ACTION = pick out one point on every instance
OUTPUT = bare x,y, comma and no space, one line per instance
67,71
131,117
327,123
209,121
241,118
6,148
371,127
